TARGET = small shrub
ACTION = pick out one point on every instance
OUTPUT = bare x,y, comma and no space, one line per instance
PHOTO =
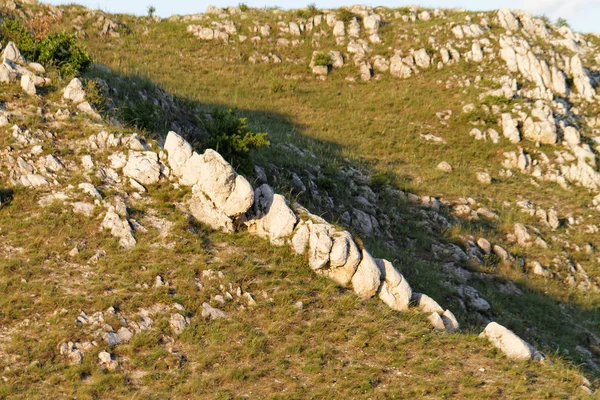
40,26
381,180
496,100
310,11
322,59
15,31
243,7
343,14
560,22
61,51
151,11
231,136
94,94
545,19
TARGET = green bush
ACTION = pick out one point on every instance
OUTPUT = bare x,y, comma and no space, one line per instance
60,50
562,22
343,14
243,7
94,94
231,136
13,30
322,59
310,11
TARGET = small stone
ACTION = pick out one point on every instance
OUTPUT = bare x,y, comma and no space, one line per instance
484,177
444,166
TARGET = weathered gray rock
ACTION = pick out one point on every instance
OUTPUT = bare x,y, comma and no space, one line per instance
74,91
395,290
581,79
436,321
338,29
204,210
523,237
7,73
143,166
422,59
507,20
179,152
337,59
544,129
444,166
473,298
476,52
301,237
33,180
119,228
273,218
510,128
367,278
209,312
426,304
11,53
572,136
178,322
450,322
509,343
343,259
398,68
84,208
28,85
320,244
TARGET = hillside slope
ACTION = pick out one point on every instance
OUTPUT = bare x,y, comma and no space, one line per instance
112,284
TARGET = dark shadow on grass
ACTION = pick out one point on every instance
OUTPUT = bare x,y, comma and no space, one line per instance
533,314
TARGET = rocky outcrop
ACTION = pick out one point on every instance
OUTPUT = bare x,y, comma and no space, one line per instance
509,343
74,91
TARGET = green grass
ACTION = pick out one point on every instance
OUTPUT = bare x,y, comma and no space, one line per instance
335,345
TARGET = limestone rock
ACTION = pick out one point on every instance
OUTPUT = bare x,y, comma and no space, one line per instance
444,166
28,85
450,322
33,180
367,278
507,20
398,68
11,53
119,228
436,321
204,210
178,322
209,312
510,128
426,304
581,79
74,91
7,73
143,166
422,59
273,218
301,237
344,258
320,244
395,290
508,342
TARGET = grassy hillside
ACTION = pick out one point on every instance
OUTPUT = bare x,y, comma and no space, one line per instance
296,335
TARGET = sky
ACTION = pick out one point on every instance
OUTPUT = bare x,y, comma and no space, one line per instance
582,15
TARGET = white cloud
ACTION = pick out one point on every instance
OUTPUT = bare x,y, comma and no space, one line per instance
558,8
